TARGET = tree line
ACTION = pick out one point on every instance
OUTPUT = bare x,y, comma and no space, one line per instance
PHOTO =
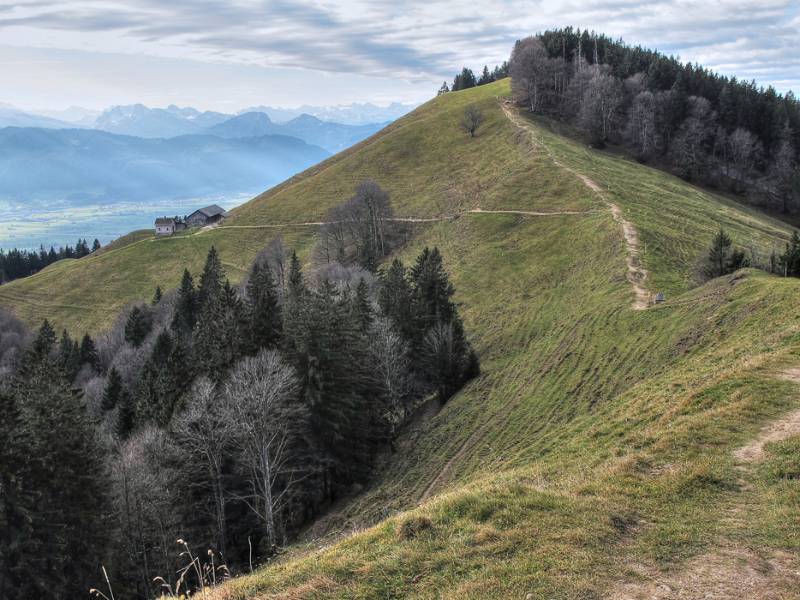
705,127
226,415
467,79
16,263
724,258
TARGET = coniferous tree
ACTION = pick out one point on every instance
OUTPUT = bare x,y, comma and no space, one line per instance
432,290
218,334
113,391
68,356
263,311
16,504
294,308
66,478
88,353
395,296
138,326
125,419
156,296
790,259
723,258
211,278
45,340
361,307
185,315
95,245
486,76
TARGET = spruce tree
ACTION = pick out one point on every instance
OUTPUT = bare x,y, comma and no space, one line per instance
263,311
361,307
218,335
113,391
790,260
45,340
294,309
394,298
66,477
211,278
156,296
95,245
88,353
16,501
432,291
186,307
722,257
125,420
68,355
137,326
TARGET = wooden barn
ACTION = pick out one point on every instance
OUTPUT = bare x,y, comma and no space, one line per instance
206,216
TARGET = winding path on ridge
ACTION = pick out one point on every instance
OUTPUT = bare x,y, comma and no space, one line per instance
731,569
636,276
636,272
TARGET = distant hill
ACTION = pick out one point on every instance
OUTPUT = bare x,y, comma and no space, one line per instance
13,117
83,165
331,136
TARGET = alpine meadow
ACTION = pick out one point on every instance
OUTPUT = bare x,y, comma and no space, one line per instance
538,338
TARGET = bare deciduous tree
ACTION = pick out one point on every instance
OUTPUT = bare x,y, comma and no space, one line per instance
600,104
472,120
690,146
145,506
744,151
360,230
260,403
275,257
204,433
390,368
641,128
530,72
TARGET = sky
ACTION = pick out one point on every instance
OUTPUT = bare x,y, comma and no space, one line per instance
229,55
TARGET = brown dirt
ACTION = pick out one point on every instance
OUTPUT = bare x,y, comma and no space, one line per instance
779,430
731,571
725,575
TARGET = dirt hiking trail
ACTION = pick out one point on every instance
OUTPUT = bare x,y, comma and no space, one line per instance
636,272
732,570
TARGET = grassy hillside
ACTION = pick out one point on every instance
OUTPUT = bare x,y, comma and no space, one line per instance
595,456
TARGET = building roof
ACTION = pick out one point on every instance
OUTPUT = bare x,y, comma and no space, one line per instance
165,221
211,211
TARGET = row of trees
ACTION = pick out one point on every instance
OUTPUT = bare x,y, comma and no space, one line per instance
724,258
705,127
16,263
227,415
467,79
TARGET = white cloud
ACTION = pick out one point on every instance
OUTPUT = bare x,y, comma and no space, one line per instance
417,42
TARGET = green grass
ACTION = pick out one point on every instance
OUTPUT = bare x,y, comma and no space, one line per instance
597,437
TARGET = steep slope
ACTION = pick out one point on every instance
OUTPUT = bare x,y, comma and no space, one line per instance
597,454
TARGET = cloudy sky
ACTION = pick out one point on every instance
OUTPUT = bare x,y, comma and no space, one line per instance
229,55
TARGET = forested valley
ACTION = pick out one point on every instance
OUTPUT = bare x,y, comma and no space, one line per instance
218,419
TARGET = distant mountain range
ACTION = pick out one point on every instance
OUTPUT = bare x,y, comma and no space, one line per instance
141,121
350,114
80,166
331,136
316,127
